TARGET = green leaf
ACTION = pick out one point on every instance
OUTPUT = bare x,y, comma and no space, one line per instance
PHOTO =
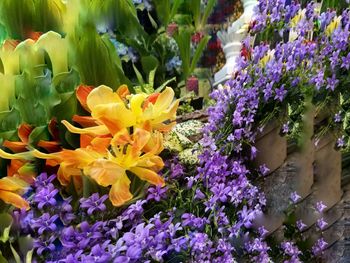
39,133
163,10
153,22
15,254
29,256
126,18
183,40
195,8
160,88
67,108
174,9
5,226
138,75
208,9
2,258
198,53
149,63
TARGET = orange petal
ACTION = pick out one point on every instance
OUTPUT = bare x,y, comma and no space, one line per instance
66,171
49,146
119,193
94,131
123,91
82,93
105,172
13,199
148,175
115,116
24,131
47,156
84,121
150,99
13,167
15,147
121,138
12,184
85,140
101,144
141,137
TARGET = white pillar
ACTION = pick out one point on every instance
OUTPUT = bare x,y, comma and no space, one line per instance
231,41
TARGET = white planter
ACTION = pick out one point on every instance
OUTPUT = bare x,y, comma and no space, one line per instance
231,41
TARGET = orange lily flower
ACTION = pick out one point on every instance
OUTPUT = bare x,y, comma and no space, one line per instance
10,189
127,156
111,115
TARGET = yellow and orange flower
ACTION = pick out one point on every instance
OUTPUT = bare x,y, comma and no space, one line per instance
111,115
108,168
10,190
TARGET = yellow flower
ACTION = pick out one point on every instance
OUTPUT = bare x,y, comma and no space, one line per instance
10,189
112,115
128,155
136,153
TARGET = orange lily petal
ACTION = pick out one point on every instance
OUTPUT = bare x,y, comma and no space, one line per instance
16,147
66,171
85,140
24,131
84,121
50,146
151,99
14,199
115,116
123,91
97,130
121,138
148,175
105,172
119,193
12,184
141,137
14,166
82,93
101,144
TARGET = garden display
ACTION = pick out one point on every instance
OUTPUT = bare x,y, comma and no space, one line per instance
116,146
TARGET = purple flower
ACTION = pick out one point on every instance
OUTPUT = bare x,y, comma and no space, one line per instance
246,215
264,170
319,247
321,224
332,82
337,117
290,249
44,244
294,197
42,180
346,62
285,128
46,222
89,234
157,193
98,254
93,203
320,207
280,93
341,142
300,225
46,196
199,195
